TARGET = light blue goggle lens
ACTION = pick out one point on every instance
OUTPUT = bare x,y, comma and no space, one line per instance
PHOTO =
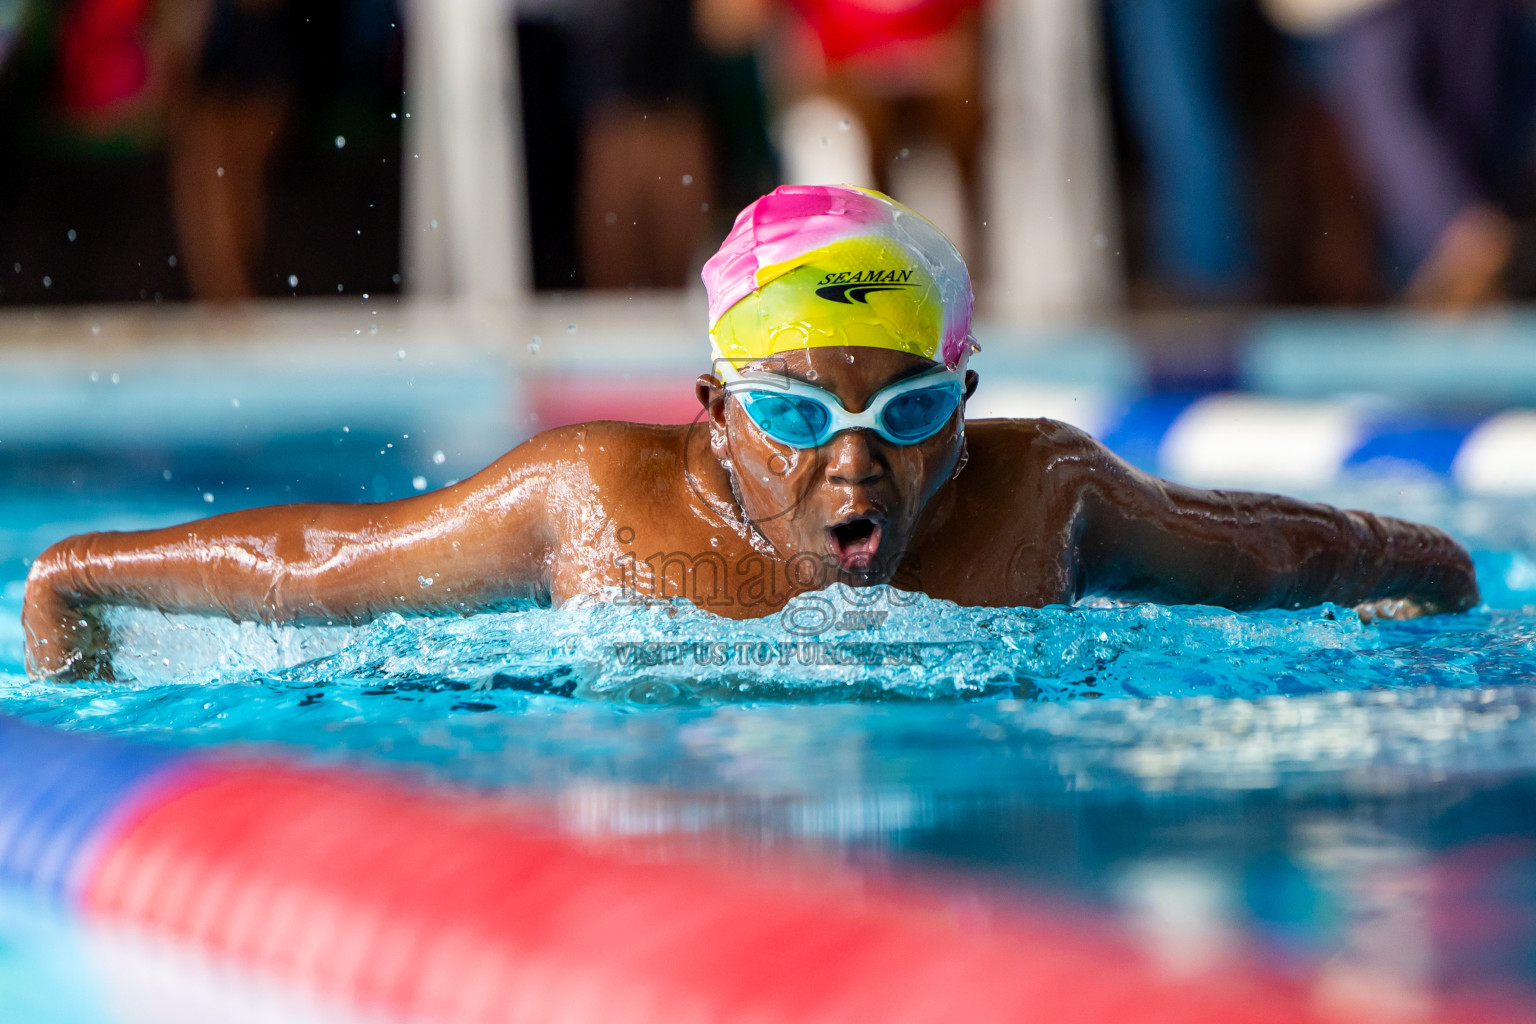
918,415
790,419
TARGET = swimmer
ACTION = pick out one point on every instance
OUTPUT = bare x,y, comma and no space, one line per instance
832,447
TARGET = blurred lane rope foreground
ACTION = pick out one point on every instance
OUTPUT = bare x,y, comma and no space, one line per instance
403,904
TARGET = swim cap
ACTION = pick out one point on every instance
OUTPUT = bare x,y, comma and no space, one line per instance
810,266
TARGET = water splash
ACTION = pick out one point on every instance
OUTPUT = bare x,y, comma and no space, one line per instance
844,696
840,644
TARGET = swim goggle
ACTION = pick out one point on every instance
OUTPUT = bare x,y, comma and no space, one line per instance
803,415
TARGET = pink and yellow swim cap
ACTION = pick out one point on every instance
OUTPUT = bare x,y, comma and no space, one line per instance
810,266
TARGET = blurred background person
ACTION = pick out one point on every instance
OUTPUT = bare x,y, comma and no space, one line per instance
1237,181
81,179
117,117
1427,95
234,70
1170,60
647,178
1253,165
644,126
1317,231
883,93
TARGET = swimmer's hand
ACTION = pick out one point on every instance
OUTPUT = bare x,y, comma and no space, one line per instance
1397,609
64,643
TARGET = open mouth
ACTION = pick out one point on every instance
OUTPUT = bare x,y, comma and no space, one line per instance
854,543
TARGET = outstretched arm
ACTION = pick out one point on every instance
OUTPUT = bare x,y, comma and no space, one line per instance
478,544
1142,537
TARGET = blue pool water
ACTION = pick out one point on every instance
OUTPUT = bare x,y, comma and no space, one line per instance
1295,783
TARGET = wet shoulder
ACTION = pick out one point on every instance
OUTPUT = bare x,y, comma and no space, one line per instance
1009,447
1030,467
612,455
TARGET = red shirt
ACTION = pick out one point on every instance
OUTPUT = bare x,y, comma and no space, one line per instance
851,27
102,56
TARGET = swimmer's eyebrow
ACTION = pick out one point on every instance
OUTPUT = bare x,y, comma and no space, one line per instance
913,371
907,374
782,373
788,374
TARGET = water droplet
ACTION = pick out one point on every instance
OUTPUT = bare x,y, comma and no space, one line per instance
845,124
533,346
399,355
95,328
171,259
373,328
439,458
293,280
570,327
165,474
95,376
341,142
47,281
365,294
687,179
346,430
419,482
71,234
434,223
425,581
208,497
235,402
116,379
905,152
220,172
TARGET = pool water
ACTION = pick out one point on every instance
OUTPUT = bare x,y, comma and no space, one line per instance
1295,785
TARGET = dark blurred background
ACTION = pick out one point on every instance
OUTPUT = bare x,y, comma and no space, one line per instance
198,149
1227,152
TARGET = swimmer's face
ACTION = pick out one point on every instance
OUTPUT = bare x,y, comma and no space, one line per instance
845,510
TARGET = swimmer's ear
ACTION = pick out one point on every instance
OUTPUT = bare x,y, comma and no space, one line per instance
971,380
711,396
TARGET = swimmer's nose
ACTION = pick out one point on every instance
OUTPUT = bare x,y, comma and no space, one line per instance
852,461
